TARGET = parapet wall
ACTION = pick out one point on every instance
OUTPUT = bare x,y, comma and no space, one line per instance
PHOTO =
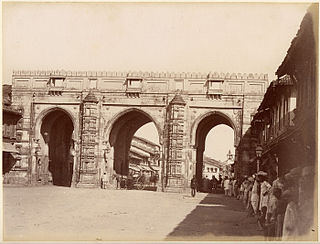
148,82
185,75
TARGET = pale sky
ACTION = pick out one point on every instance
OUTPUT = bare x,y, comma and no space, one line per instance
168,37
174,37
219,140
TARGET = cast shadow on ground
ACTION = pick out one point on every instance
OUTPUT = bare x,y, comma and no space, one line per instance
217,217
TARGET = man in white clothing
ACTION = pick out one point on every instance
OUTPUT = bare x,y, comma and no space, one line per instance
226,186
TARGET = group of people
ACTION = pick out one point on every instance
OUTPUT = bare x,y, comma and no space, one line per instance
230,186
205,184
127,182
283,207
209,185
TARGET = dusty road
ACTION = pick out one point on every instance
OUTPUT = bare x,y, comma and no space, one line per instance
59,213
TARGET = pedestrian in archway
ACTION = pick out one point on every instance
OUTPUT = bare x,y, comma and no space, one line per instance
45,159
104,180
214,183
206,184
210,185
193,186
231,192
117,177
226,186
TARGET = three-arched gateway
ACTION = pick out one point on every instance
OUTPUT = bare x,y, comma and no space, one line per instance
79,125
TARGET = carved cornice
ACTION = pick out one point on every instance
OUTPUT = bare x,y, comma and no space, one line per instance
142,75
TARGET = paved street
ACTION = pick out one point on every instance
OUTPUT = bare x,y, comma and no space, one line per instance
60,213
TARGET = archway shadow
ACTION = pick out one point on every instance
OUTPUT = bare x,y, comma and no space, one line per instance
217,218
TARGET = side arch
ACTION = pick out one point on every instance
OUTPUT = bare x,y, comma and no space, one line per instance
199,131
45,112
54,129
195,125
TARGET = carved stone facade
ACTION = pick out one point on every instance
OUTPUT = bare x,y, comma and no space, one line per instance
175,130
89,142
107,108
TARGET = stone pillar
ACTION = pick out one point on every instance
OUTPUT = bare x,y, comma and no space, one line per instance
190,167
108,166
89,174
175,156
33,161
75,153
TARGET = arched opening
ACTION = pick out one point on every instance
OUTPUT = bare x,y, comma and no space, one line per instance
148,131
219,140
208,142
144,158
56,144
121,137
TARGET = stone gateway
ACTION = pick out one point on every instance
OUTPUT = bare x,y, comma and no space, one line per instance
73,121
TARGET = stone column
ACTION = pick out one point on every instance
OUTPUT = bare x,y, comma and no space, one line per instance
108,160
89,174
34,162
175,157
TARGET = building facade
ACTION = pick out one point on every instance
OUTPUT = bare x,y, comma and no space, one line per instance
11,160
77,124
285,126
211,168
274,128
144,155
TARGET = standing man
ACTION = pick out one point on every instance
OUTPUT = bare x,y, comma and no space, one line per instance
255,195
291,216
193,186
226,186
45,159
214,184
264,197
104,180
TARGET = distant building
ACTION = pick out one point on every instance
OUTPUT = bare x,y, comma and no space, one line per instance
211,167
10,155
228,166
144,156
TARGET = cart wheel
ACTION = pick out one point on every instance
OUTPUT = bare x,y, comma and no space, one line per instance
140,186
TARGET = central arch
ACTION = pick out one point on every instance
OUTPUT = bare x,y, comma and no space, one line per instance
201,128
122,131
